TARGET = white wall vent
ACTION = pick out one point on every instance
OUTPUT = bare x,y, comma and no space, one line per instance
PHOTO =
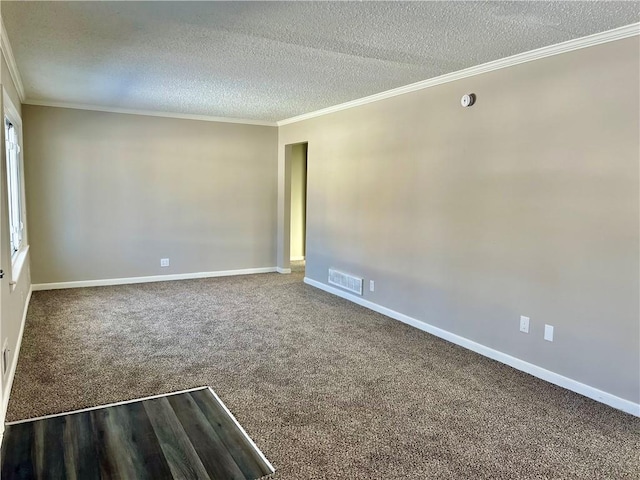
346,281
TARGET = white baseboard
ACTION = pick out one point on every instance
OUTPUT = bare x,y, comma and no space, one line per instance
14,365
153,278
551,377
296,259
283,270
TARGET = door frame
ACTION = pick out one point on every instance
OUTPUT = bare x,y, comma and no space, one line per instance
283,248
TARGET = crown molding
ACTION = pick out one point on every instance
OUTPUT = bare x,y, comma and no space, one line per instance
151,113
11,61
537,54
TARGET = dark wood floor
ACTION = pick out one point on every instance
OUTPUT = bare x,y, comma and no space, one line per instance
187,436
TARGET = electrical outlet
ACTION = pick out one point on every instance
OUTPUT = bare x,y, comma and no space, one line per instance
548,333
164,262
524,324
372,286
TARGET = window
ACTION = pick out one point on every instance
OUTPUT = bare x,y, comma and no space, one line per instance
14,186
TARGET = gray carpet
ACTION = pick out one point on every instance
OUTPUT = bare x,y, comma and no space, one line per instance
326,389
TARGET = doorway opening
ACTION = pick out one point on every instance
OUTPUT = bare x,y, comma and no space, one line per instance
298,208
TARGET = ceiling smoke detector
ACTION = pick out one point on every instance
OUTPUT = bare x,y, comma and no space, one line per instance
468,99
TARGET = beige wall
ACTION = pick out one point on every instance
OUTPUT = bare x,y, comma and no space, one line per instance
298,199
467,218
12,298
108,195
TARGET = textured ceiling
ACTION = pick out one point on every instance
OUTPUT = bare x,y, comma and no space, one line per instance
272,60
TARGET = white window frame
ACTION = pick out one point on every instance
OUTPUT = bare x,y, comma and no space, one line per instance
18,256
14,179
